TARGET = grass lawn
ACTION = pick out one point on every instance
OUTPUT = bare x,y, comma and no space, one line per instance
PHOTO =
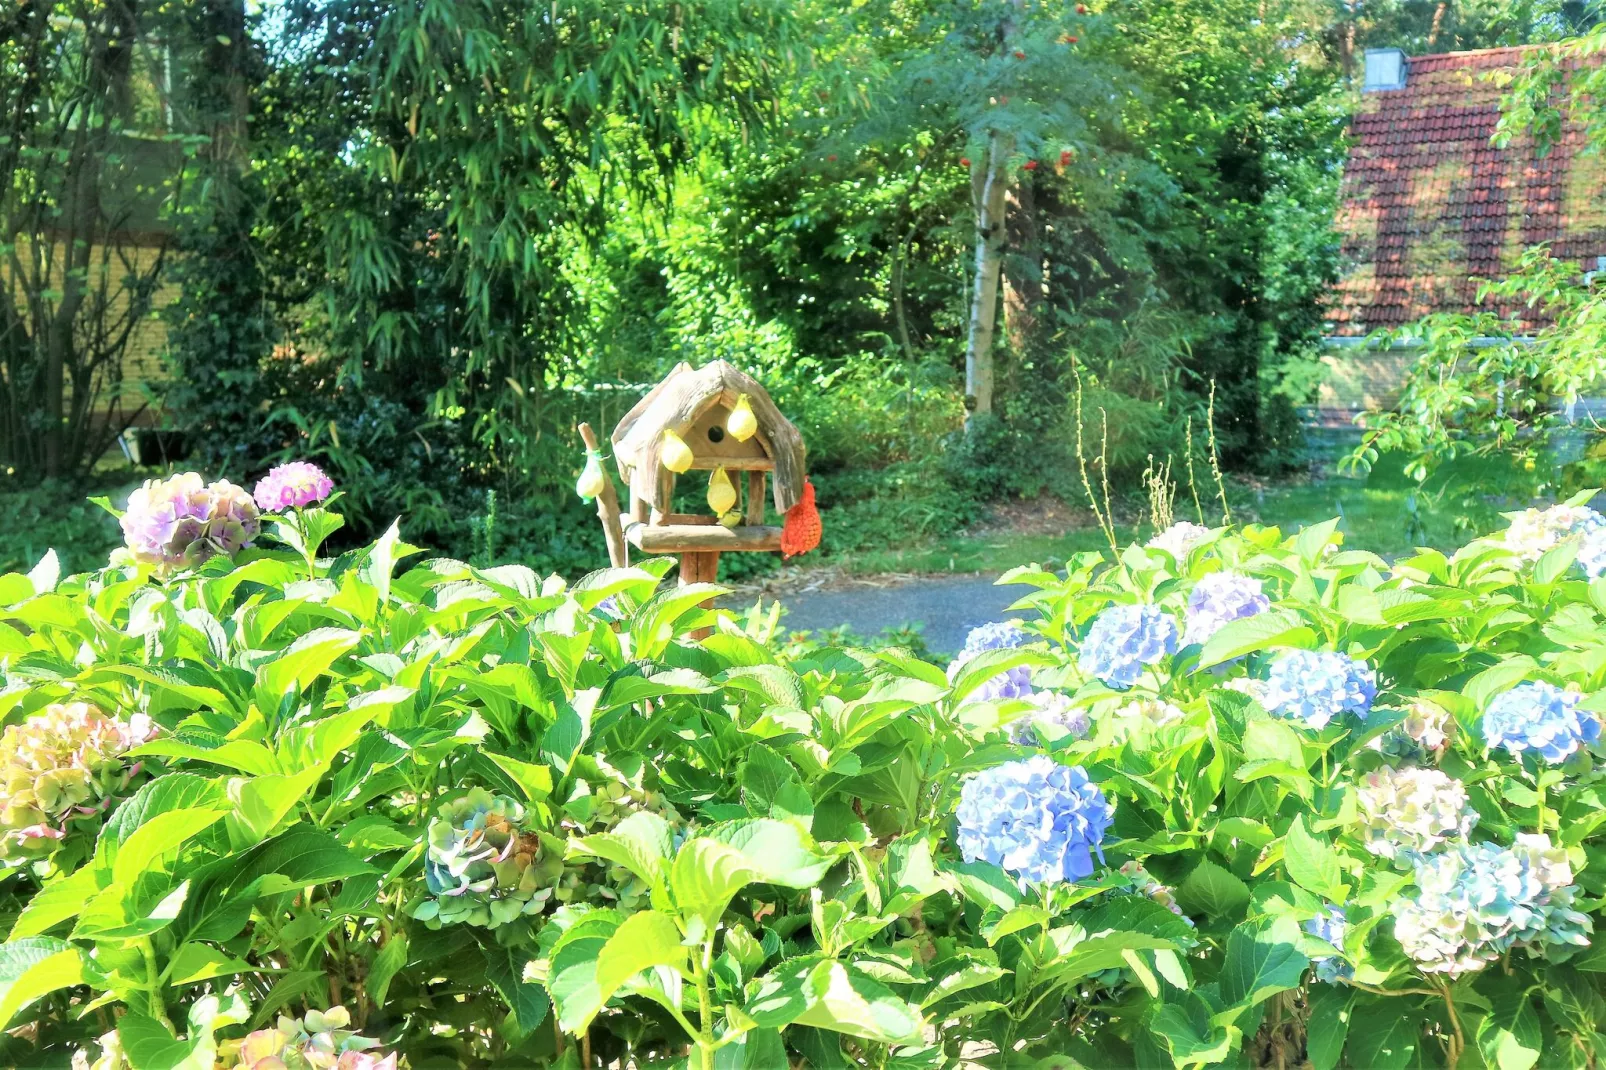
1383,512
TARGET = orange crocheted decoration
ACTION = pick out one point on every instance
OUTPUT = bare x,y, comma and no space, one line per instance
801,531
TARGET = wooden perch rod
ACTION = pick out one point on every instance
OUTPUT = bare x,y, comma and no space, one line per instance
685,538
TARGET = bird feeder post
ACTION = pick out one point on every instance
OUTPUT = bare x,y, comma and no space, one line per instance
608,508
719,420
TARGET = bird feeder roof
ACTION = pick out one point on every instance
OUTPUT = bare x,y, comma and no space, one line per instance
678,402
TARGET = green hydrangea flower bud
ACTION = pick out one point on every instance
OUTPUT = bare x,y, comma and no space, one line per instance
485,864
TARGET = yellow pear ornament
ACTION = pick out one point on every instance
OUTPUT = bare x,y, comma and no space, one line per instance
593,479
676,455
721,492
742,424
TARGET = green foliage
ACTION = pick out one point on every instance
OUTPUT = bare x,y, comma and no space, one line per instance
393,801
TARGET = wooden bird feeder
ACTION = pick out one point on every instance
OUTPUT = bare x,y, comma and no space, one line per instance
696,404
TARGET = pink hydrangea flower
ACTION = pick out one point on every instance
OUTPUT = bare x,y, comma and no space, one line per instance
183,521
292,486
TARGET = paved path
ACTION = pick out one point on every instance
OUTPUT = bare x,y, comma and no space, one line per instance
948,608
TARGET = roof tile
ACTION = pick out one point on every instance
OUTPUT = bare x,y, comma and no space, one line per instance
1428,201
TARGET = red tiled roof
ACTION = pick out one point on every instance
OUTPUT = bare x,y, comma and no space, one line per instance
1428,202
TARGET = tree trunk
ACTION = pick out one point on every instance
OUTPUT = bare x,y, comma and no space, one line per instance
1023,267
990,237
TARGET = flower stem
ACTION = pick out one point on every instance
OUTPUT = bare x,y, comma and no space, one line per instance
154,976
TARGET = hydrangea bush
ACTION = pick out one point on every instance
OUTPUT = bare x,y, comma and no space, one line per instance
1238,798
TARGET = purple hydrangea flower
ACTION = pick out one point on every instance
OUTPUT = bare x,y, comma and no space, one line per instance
1330,927
1123,640
292,486
995,635
1034,818
1314,686
1542,718
182,521
1218,598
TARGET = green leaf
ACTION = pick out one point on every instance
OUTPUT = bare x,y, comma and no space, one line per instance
300,856
150,1045
195,962
641,843
1274,628
388,961
1389,1039
535,781
705,875
57,901
646,939
1329,1024
573,983
1509,1035
1183,1024
304,660
263,802
832,995
779,851
33,967
153,840
1272,741
505,967
1262,960
1210,889
1313,540
986,885
241,755
1312,863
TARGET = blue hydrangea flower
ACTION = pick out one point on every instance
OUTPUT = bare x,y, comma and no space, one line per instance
996,635
1592,554
1330,927
1314,686
1123,640
1542,718
1475,902
1218,598
1034,818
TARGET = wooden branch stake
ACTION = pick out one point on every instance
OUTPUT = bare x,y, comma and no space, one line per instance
608,508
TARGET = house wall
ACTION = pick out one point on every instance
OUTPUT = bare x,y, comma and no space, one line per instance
110,268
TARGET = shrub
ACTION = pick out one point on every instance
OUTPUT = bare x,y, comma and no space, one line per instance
278,808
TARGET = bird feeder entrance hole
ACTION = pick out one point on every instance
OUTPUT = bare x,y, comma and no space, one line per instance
695,409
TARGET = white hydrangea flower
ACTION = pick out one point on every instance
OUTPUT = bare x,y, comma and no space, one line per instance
1535,532
1405,813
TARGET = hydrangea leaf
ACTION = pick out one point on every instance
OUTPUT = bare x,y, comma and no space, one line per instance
1212,890
35,967
150,1045
1274,628
1330,1008
1509,1035
1391,1038
1183,1024
1312,863
833,996
1262,960
706,874
779,851
647,939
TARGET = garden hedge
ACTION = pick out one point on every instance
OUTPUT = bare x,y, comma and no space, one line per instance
1234,798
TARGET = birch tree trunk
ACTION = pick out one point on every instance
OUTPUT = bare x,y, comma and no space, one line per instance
990,238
